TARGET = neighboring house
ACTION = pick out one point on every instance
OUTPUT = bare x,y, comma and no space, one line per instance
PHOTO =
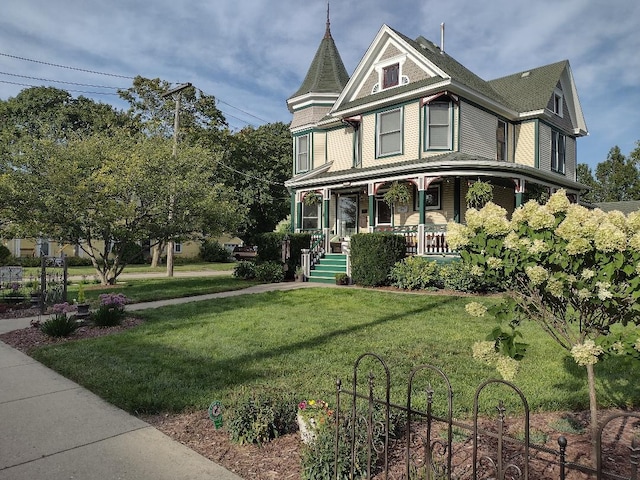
411,113
626,207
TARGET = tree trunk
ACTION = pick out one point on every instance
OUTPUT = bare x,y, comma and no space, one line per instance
593,407
155,254
170,245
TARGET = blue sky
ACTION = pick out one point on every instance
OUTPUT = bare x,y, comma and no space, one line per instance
253,54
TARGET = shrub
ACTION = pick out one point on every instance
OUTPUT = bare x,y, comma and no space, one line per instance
414,273
297,241
270,247
78,262
111,310
212,251
257,419
373,255
5,255
269,272
61,324
460,276
245,270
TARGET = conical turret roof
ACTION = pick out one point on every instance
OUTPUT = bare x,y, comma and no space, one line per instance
326,73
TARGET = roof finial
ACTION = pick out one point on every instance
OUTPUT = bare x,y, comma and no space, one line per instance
327,33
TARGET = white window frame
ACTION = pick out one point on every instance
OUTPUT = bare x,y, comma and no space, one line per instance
558,152
300,154
428,125
558,100
177,247
380,134
317,216
380,68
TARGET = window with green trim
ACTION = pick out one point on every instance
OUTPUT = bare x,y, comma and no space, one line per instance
438,131
389,132
302,153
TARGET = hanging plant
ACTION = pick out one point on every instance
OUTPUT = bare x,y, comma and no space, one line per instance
312,198
398,193
479,194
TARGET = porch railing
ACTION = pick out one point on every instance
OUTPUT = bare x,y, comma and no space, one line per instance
434,239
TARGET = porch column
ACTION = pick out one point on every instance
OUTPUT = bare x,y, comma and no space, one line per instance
326,231
292,201
519,191
422,186
372,206
456,200
298,221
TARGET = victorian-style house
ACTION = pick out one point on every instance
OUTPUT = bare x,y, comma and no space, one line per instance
411,115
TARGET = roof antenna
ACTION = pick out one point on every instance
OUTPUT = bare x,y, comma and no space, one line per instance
442,37
327,34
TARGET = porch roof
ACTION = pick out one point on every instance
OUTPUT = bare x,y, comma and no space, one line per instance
447,164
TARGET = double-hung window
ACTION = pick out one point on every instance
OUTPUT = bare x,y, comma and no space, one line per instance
558,152
438,131
389,134
302,153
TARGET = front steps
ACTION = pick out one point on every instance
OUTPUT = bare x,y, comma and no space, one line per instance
327,267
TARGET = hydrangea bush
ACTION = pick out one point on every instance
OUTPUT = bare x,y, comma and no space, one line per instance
575,271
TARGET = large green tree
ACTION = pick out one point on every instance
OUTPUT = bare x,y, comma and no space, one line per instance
616,179
102,193
256,164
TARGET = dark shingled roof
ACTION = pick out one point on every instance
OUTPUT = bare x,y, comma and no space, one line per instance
531,91
625,207
326,73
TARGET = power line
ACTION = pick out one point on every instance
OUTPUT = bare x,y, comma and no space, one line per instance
246,113
60,81
250,176
69,90
65,66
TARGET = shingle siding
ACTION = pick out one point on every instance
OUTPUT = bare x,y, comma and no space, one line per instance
544,147
308,116
477,131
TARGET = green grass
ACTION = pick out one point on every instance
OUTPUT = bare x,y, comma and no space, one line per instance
89,272
149,289
186,356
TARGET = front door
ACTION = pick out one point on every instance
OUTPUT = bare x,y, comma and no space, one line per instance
347,215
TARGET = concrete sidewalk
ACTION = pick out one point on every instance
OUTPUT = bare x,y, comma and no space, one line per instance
51,428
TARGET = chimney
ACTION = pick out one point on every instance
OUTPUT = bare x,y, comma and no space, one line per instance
442,37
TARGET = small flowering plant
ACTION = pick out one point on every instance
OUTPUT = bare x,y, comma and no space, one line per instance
314,410
111,309
63,310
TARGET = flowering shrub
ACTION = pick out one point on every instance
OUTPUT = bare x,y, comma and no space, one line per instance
111,310
316,411
61,324
575,271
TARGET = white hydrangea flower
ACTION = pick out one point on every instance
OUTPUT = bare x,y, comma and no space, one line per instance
536,274
507,367
588,274
637,344
584,294
586,353
555,287
558,202
618,347
538,246
485,352
475,309
511,241
476,271
494,262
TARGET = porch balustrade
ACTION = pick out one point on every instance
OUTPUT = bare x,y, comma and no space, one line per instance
434,238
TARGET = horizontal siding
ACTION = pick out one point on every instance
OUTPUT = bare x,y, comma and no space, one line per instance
477,131
545,147
571,158
319,149
340,148
525,135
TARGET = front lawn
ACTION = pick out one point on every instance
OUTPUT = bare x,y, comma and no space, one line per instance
149,289
186,356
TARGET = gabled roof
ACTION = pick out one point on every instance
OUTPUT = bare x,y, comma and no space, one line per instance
327,73
531,89
625,207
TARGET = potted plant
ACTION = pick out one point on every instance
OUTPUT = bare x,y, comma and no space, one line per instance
342,279
398,193
312,415
312,198
83,306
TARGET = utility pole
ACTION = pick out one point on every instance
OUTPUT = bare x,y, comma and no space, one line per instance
176,124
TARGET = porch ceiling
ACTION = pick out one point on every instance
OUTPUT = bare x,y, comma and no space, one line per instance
448,164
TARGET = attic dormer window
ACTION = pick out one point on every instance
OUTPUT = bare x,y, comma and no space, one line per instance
557,103
391,75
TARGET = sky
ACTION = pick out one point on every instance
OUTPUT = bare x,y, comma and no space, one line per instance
253,54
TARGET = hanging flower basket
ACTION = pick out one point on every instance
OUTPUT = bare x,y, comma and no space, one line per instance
398,193
312,198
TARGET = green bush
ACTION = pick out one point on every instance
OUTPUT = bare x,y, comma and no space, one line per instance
459,276
29,261
60,325
257,419
269,272
414,273
373,255
111,310
297,241
79,262
270,247
131,253
5,255
245,270
212,251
